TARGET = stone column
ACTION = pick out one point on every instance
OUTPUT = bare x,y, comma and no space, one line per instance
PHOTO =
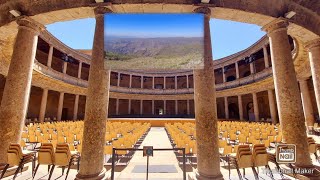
75,107
226,108
117,106
176,107
237,70
314,57
43,105
92,156
287,91
65,65
187,81
252,68
60,106
176,82
152,107
14,103
240,107
141,106
119,78
130,81
208,160
223,75
49,62
164,106
129,106
255,106
265,56
306,102
164,82
272,105
188,107
141,82
152,82
80,70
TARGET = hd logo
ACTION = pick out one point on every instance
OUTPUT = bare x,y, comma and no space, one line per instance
286,153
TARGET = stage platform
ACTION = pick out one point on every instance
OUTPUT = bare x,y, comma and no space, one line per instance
155,122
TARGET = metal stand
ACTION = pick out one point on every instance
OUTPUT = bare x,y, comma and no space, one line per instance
147,167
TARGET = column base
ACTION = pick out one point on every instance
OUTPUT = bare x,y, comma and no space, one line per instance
197,176
98,176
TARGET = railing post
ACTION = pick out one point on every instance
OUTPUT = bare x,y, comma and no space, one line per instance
184,164
113,163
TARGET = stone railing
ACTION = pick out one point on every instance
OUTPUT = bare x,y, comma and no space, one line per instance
246,80
150,91
83,83
59,75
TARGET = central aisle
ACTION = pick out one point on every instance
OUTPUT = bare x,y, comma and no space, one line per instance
161,163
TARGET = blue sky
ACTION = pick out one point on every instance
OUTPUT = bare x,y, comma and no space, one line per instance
227,37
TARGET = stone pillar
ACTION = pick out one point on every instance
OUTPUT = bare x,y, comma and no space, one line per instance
176,107
129,106
152,107
240,107
49,62
43,105
164,82
75,107
237,70
60,106
252,68
164,106
255,106
314,57
141,82
117,106
187,81
130,81
141,106
14,103
119,78
152,82
226,108
65,66
92,156
188,107
176,82
80,70
272,105
265,56
287,91
208,160
223,75
306,102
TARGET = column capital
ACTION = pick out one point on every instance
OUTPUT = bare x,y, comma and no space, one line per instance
275,25
30,24
101,10
313,43
203,10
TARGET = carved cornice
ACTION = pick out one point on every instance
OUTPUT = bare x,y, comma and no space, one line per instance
276,25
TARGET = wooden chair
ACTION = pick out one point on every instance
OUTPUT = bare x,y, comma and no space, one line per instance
260,157
17,158
46,157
